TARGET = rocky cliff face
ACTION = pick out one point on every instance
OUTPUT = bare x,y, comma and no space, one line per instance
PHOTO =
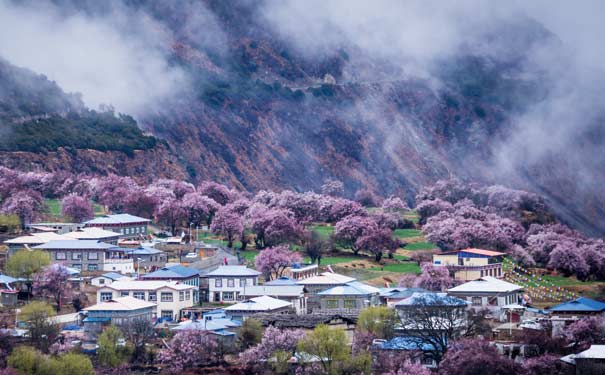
143,165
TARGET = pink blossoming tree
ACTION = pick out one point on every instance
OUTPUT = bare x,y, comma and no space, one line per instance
189,349
273,261
77,207
53,281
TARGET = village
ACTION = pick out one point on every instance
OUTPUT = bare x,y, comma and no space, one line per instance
122,288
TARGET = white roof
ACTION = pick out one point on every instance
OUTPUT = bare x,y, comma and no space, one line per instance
485,284
274,290
595,351
303,269
353,288
327,278
91,233
121,304
262,303
233,271
117,219
122,284
37,238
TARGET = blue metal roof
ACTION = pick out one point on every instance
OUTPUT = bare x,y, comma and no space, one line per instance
145,251
113,275
75,245
406,343
173,272
5,279
96,320
284,280
581,304
400,292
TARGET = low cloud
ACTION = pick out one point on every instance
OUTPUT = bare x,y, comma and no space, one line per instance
118,57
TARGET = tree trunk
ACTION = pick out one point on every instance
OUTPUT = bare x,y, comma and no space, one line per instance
378,256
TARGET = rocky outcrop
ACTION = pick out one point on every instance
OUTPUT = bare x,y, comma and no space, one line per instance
144,165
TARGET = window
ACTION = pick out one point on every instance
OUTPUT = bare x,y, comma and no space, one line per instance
76,256
181,296
77,266
437,262
153,296
230,283
101,281
166,314
332,304
166,296
124,294
106,296
139,295
93,267
61,256
93,256
477,301
187,295
227,296
350,304
218,283
142,229
242,282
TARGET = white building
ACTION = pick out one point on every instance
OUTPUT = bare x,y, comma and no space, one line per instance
262,304
295,294
227,283
488,292
169,296
126,225
108,278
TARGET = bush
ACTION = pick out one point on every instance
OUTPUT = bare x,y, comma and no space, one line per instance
25,360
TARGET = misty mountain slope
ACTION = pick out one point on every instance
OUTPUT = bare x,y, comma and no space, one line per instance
42,127
388,96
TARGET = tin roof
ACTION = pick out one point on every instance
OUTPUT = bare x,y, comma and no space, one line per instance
581,304
117,219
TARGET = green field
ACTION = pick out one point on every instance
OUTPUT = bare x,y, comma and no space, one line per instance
323,231
566,281
401,257
54,207
401,268
420,246
333,260
249,255
407,233
412,215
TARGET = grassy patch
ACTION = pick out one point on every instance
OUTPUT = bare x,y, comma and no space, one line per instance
400,268
249,255
98,209
407,233
420,246
566,281
54,207
323,231
334,260
401,257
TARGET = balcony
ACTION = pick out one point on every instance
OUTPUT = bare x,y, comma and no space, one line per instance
492,266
